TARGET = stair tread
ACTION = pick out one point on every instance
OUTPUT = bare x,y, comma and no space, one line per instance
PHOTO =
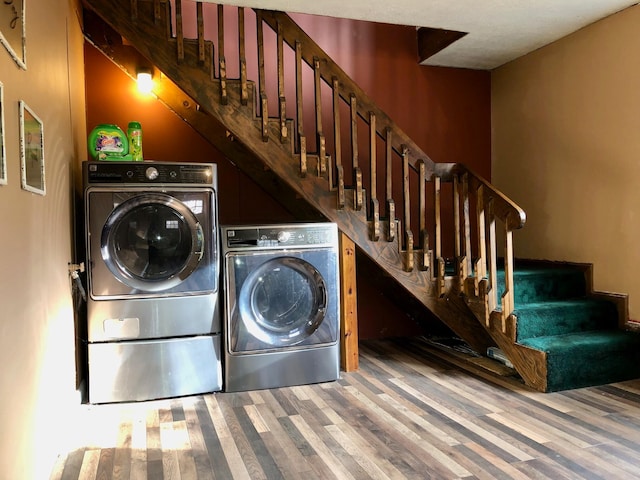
563,303
538,284
564,317
600,340
533,270
590,358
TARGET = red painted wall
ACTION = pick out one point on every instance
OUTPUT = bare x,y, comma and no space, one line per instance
446,112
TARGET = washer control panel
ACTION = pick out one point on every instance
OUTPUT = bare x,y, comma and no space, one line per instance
137,173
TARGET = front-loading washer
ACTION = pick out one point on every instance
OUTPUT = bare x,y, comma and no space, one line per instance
282,305
153,268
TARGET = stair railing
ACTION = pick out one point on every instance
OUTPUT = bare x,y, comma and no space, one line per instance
478,279
475,278
432,226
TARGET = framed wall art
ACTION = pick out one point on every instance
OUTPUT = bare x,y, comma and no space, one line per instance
3,154
12,30
31,150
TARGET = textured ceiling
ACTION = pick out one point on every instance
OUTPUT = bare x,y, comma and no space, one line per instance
498,30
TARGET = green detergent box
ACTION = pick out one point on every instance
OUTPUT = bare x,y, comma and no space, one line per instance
108,142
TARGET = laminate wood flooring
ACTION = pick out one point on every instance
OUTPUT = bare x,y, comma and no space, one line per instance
409,412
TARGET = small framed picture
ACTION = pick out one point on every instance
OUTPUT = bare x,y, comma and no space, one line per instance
31,151
3,154
12,30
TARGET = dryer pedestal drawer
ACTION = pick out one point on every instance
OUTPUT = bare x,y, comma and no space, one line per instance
144,370
287,368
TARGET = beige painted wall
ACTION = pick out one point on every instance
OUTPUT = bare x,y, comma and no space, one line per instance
37,384
566,147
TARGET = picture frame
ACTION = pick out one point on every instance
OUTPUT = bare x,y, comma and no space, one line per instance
31,151
3,153
13,31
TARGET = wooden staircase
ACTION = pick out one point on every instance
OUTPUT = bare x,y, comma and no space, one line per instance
437,229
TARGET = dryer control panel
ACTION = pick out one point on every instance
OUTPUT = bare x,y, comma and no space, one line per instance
140,173
279,236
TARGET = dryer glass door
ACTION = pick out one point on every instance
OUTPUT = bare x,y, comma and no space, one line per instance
282,302
152,242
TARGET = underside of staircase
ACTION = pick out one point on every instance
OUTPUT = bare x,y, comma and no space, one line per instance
544,317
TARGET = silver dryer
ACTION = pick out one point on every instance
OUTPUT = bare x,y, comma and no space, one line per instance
282,305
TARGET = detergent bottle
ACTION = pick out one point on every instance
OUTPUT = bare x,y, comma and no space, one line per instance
134,135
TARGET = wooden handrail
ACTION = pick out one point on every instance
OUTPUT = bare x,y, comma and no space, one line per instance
505,208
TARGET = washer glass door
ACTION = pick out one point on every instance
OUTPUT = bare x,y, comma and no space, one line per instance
152,242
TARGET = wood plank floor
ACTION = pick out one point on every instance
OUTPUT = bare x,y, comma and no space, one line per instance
407,413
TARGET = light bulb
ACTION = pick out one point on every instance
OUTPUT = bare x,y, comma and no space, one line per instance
145,81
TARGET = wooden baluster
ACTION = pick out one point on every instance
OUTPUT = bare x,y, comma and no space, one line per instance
457,245
317,82
338,142
264,107
375,208
492,261
157,11
244,93
264,111
408,234
456,215
179,31
134,9
422,215
300,111
282,104
481,262
222,63
358,200
391,206
200,29
481,265
440,273
467,233
508,295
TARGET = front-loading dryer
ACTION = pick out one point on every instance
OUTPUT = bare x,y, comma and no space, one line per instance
153,267
282,305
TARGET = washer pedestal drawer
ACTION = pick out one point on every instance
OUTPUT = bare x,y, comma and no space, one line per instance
146,370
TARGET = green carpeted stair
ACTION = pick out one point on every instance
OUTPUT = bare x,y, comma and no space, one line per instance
579,334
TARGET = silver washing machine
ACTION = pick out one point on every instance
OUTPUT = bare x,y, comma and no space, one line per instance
153,267
282,305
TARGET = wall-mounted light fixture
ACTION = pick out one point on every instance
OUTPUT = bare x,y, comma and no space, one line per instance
144,79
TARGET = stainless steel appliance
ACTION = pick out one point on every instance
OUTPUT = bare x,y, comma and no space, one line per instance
282,305
153,268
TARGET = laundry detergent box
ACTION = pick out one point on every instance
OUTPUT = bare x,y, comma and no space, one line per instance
108,142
